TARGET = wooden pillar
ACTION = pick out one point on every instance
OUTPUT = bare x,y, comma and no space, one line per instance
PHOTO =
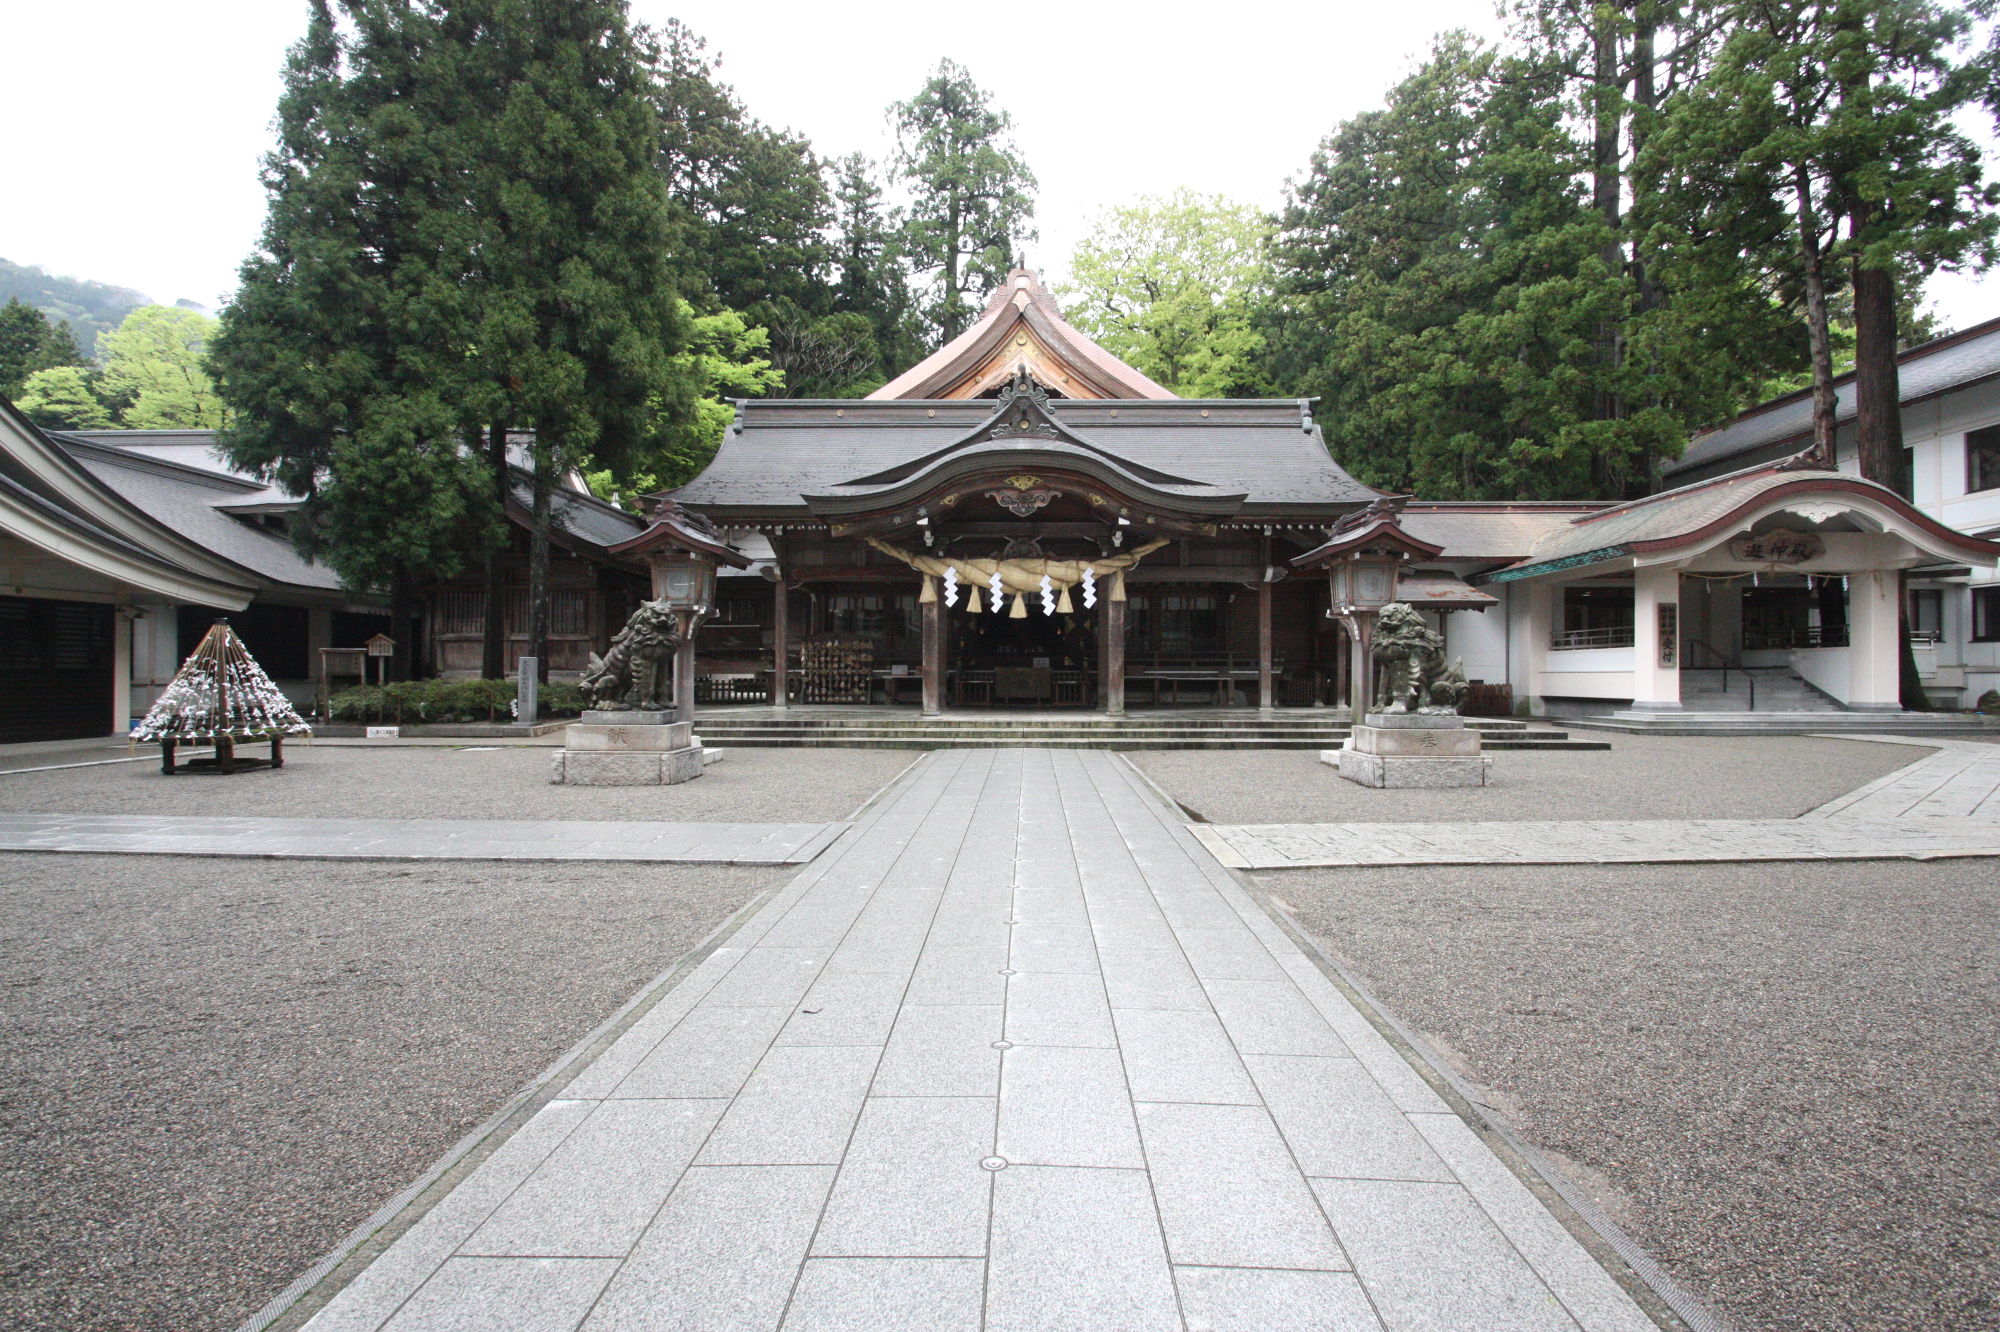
1266,699
684,671
932,607
781,645
1114,647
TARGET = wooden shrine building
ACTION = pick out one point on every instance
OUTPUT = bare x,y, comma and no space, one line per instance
1137,544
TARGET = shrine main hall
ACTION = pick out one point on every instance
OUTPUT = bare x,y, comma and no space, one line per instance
1024,521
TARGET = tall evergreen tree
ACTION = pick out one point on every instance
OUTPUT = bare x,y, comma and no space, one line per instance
30,341
339,370
1441,287
468,238
972,195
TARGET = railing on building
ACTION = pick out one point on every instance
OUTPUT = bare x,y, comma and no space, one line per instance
1610,636
1778,638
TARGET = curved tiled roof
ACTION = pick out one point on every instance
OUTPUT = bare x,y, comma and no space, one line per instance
1045,345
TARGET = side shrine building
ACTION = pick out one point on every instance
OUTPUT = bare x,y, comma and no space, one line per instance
1024,520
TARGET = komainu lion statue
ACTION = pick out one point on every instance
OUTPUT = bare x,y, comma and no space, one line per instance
637,672
1410,670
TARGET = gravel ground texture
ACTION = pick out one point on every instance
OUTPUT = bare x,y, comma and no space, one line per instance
441,782
1780,1078
1639,777
212,1071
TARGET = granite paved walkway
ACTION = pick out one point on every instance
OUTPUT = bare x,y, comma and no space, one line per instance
1016,1053
421,839
1947,804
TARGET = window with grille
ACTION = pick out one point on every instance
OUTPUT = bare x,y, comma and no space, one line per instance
1982,459
462,613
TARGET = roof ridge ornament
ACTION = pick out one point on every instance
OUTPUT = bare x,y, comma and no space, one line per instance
1024,400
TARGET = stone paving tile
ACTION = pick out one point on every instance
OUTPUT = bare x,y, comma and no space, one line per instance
721,1256
1077,1251
420,839
595,1193
1464,1273
1066,1107
942,1050
798,1108
1243,1299
887,1295
1172,1055
911,1183
1230,1193
486,1294
1015,1053
1339,1123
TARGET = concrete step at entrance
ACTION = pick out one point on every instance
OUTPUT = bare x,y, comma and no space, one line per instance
917,735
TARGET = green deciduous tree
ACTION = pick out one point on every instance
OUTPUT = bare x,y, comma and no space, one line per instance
63,398
1175,287
155,370
971,194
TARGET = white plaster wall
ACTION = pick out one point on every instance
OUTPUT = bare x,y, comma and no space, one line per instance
1825,669
1478,639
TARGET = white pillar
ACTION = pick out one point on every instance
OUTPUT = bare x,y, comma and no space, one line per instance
1531,646
1874,659
1656,646
121,669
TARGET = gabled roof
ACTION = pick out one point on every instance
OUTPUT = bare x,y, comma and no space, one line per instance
1784,425
1491,530
1021,330
1694,514
1267,450
52,504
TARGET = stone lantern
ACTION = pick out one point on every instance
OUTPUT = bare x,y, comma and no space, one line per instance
1363,557
684,550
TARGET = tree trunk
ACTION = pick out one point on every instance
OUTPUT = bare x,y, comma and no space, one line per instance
493,663
401,604
1607,93
538,569
953,324
1878,420
1812,262
1644,103
1878,429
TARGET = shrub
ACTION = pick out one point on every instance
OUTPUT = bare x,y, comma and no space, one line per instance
414,702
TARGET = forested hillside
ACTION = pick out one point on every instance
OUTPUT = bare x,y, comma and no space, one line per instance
89,308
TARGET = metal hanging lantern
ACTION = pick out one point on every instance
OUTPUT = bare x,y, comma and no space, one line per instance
685,580
1364,580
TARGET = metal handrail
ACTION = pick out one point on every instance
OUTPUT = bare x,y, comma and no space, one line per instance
1724,663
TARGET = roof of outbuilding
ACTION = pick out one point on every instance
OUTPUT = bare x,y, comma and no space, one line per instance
776,452
186,499
1785,424
1692,513
1479,530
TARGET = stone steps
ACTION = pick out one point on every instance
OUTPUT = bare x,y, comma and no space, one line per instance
1693,722
1515,737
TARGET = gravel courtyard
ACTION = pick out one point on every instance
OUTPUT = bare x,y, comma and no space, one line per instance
1639,777
1782,1075
330,781
215,1069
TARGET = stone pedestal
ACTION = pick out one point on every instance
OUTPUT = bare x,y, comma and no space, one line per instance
1411,750
627,749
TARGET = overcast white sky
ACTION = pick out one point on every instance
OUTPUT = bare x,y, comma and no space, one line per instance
134,127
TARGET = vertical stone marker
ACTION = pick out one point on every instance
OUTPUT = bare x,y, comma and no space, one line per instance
527,691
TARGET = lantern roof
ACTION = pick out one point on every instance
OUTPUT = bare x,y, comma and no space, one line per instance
676,527
1375,528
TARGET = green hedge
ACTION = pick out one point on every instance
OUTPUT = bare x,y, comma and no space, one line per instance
417,701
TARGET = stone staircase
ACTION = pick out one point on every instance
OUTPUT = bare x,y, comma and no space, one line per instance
1284,730
1777,689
